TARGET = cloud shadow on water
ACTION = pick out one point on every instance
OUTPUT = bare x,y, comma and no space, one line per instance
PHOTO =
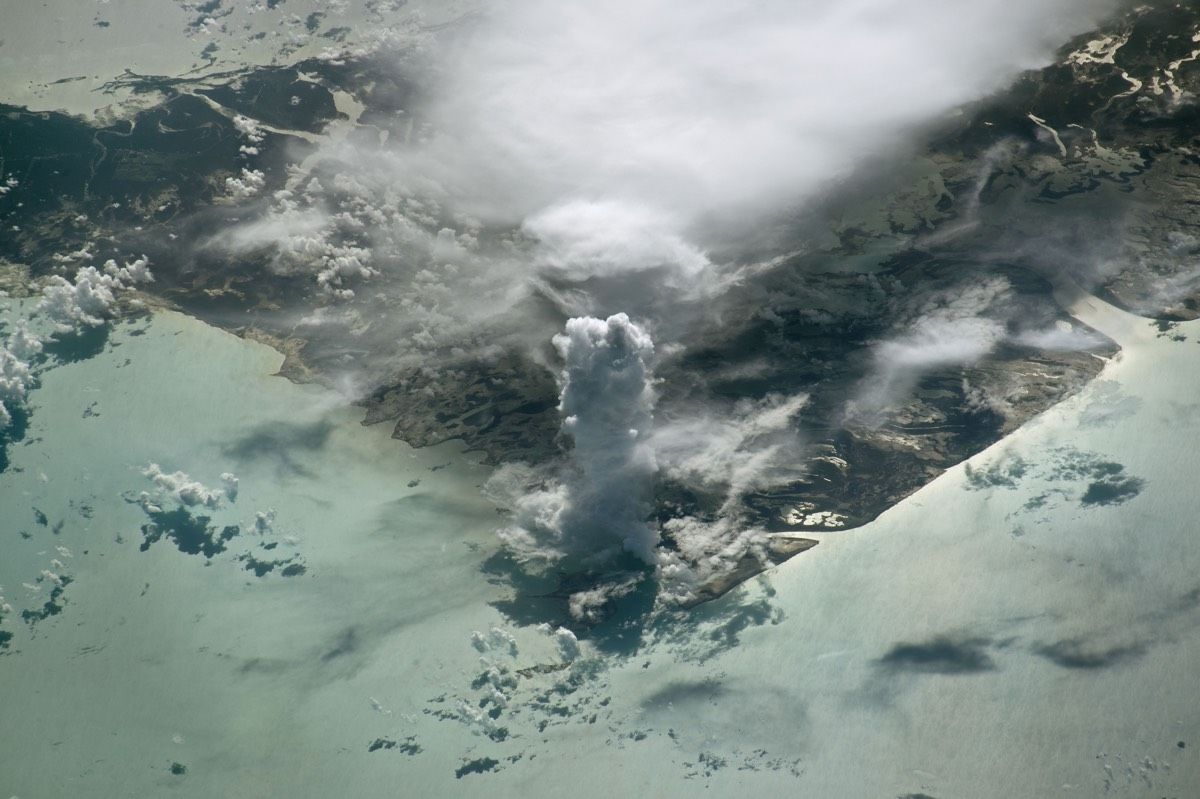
284,443
942,654
78,346
1077,654
544,598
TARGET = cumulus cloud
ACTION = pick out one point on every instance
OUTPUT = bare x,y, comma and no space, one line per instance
17,377
185,491
599,504
245,186
264,520
230,482
704,549
90,300
568,644
252,132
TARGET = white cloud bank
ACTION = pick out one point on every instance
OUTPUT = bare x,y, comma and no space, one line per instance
634,120
617,134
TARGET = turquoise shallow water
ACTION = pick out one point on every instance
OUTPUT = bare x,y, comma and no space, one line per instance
995,635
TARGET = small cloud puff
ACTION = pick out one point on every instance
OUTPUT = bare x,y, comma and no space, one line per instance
568,645
186,491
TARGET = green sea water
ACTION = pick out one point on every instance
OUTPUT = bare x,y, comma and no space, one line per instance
1010,630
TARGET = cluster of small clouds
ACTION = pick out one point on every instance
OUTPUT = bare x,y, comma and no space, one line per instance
498,652
335,235
56,575
251,131
185,491
17,375
248,185
704,549
90,300
496,639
